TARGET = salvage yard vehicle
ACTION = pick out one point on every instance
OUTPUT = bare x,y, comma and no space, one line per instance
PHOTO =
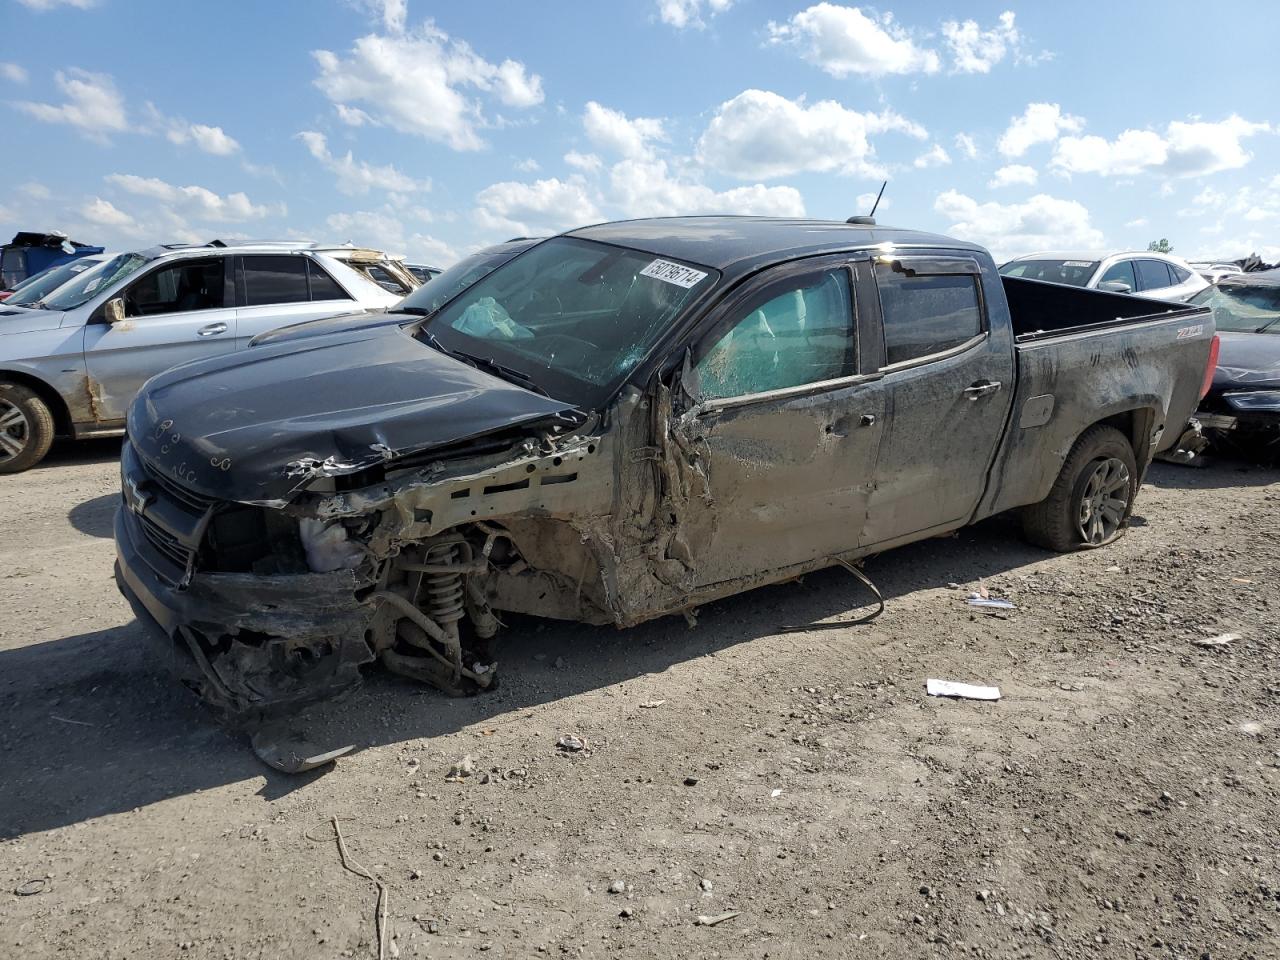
623,422
71,362
1159,276
30,253
1241,412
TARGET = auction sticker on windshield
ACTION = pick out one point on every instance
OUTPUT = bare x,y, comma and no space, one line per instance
669,272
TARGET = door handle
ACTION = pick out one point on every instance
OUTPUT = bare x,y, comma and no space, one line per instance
212,330
982,388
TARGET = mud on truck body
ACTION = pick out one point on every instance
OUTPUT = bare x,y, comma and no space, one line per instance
624,422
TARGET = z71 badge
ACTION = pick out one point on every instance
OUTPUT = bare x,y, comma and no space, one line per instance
1186,333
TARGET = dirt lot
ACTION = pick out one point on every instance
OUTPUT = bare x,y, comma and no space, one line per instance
1120,801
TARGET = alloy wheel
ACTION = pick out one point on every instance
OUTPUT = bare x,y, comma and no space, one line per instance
15,432
1104,500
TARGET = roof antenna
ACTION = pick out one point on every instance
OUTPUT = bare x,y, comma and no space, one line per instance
870,219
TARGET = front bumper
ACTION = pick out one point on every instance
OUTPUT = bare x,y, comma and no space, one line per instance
251,646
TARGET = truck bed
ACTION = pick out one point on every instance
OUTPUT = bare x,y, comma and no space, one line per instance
1041,310
1082,357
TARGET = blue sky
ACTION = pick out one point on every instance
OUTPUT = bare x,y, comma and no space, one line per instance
433,129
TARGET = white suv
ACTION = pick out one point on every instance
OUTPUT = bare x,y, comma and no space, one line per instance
71,362
1158,276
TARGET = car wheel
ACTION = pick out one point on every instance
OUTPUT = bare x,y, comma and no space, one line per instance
26,428
1092,499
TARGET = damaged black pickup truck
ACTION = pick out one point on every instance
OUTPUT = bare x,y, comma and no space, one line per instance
622,422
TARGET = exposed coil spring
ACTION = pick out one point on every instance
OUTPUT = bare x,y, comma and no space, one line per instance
444,590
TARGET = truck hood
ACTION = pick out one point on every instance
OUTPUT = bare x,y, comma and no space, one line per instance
259,425
25,320
1248,361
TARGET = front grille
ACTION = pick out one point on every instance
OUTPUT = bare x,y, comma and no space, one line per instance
165,543
188,498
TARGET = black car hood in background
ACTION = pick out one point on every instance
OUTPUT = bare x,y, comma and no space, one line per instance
1247,361
259,425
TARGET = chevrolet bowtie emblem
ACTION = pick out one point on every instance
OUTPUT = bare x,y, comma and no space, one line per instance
135,498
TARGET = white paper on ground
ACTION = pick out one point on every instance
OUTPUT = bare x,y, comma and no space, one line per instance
950,688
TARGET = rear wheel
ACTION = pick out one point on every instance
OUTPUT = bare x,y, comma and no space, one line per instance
1092,499
26,428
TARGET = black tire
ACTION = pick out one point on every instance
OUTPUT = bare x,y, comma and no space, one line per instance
30,429
1082,511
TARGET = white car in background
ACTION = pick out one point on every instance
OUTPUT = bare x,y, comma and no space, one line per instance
1213,272
1158,276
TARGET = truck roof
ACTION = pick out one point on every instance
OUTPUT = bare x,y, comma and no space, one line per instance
741,244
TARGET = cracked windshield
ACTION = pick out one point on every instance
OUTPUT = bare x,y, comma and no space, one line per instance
569,315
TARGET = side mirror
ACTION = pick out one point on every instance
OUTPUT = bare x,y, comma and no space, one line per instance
1115,286
113,310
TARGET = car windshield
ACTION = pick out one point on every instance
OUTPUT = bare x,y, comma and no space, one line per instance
1076,273
572,317
93,281
443,287
42,284
1240,308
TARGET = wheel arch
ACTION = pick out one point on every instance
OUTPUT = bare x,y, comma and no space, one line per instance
46,392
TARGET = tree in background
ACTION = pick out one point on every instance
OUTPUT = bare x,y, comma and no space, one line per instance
1160,246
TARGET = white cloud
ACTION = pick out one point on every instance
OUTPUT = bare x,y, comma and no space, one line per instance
416,83
354,116
93,105
528,165
209,139
935,156
1138,222
612,130
382,229
34,190
965,144
392,13
762,134
844,40
1250,203
586,162
13,72
688,13
1186,149
974,50
865,201
1040,223
357,176
645,187
1039,123
192,200
1011,174
51,4
531,209
106,214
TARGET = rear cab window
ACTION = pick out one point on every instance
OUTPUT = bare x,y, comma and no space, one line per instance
928,305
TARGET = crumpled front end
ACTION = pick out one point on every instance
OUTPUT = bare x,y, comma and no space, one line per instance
263,610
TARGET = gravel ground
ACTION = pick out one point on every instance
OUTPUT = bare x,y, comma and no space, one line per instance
773,762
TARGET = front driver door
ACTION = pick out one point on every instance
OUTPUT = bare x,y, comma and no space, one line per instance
789,421
175,313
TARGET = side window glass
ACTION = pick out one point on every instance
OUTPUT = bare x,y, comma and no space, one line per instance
275,279
323,286
1179,275
1122,271
180,288
796,336
1153,274
926,314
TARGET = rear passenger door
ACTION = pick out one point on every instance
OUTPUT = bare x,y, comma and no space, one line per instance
948,375
787,423
275,290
